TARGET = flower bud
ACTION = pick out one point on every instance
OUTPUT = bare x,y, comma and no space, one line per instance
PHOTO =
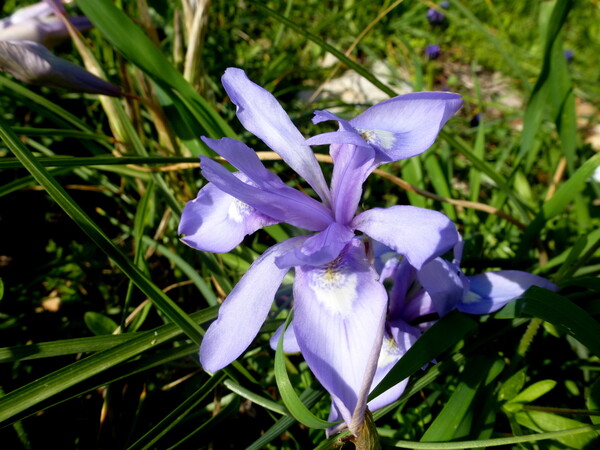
33,63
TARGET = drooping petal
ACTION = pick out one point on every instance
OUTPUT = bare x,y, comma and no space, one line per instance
262,115
443,282
338,322
283,204
397,128
319,248
217,222
417,233
352,165
290,344
396,342
492,290
245,309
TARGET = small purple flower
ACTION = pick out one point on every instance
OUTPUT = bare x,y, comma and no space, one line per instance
435,16
432,51
339,303
33,63
569,55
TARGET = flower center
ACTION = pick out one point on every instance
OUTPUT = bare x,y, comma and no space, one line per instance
334,286
378,138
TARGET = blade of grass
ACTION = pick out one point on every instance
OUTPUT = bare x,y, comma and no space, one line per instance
132,42
56,191
178,414
291,400
563,196
445,333
47,386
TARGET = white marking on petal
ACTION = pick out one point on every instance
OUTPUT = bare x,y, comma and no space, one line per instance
334,286
380,138
239,210
390,352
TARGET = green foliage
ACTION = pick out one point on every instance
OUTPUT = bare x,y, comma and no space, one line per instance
89,218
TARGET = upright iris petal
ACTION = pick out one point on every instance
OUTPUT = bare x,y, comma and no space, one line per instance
262,115
397,128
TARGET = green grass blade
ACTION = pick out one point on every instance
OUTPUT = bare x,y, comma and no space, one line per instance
445,425
559,311
365,73
43,388
540,93
62,347
178,414
76,161
56,191
563,196
445,333
291,400
309,397
130,40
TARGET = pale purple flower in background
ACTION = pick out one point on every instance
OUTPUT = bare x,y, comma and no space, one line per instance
339,303
33,63
40,23
33,11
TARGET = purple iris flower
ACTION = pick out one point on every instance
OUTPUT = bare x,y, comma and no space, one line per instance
418,296
339,302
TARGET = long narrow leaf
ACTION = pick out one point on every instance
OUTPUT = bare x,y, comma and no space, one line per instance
56,191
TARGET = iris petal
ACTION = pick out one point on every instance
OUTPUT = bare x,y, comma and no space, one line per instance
397,128
319,248
406,125
244,159
443,282
338,322
396,343
245,309
417,233
282,203
492,290
290,344
217,222
352,166
262,115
